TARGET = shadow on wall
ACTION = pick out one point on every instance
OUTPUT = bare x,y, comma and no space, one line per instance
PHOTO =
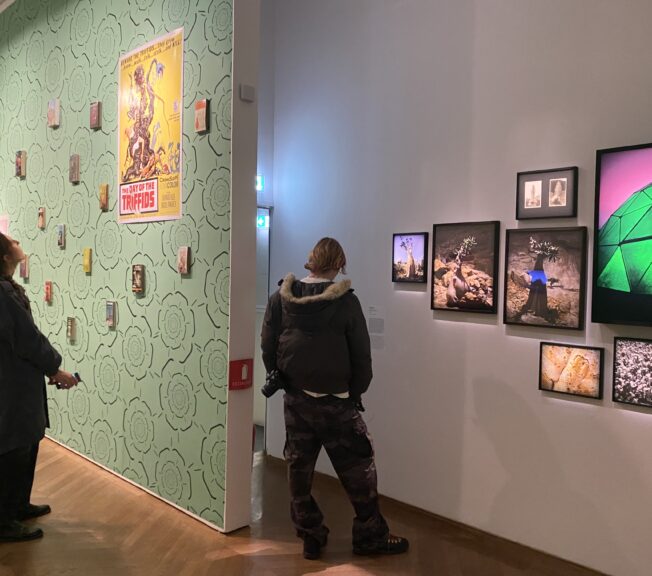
538,494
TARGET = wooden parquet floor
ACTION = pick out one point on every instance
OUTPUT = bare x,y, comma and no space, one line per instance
103,526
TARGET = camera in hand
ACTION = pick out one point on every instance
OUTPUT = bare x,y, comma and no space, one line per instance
273,383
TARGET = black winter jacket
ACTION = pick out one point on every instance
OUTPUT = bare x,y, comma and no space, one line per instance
316,336
25,356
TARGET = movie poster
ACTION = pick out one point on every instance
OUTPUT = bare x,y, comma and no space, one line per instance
150,131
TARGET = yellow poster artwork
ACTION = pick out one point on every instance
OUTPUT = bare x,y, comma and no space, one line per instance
150,130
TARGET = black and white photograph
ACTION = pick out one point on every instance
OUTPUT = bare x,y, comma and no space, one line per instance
633,371
532,198
557,192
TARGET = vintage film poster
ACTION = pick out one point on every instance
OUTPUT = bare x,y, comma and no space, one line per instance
150,132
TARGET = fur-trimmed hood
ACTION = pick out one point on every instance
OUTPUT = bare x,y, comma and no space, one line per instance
332,292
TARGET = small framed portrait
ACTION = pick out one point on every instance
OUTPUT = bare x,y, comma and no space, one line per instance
48,292
410,257
61,236
547,193
96,115
87,260
111,311
183,259
465,266
573,370
545,277
138,278
104,197
71,329
54,113
21,164
24,267
41,218
73,169
633,371
201,115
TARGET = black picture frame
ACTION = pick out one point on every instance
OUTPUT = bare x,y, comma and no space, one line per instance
562,370
548,193
638,366
622,248
526,283
401,269
476,288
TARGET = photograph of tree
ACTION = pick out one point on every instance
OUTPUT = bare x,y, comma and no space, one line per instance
545,277
575,370
465,266
622,254
410,257
633,371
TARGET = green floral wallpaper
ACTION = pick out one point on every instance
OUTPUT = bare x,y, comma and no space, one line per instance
152,405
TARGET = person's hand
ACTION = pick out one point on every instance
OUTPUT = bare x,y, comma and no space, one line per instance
64,379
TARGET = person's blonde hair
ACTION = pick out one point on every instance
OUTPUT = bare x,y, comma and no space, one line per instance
327,255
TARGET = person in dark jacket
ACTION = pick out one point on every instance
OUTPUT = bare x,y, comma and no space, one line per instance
25,357
315,335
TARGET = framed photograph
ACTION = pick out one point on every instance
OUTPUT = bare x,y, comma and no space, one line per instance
201,115
138,278
104,197
96,115
568,369
410,257
465,266
633,371
111,308
622,249
54,113
21,164
24,267
87,260
48,292
71,329
546,193
183,259
61,236
41,218
73,169
545,277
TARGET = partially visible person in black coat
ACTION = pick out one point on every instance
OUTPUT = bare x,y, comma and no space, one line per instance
315,335
26,357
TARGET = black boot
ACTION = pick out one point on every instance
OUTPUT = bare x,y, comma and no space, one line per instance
16,532
34,511
389,545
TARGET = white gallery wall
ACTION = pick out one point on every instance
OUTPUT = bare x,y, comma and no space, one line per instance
392,115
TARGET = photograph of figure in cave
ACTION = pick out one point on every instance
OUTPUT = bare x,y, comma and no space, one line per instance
545,277
633,371
465,266
409,257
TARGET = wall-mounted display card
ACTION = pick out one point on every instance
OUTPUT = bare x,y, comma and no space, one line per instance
21,163
633,371
24,267
73,169
41,218
104,197
568,369
87,260
465,266
622,249
201,115
546,193
150,94
71,329
410,257
111,309
54,113
48,292
61,235
138,278
96,115
183,259
545,277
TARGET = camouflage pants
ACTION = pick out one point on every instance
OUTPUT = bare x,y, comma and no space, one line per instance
335,424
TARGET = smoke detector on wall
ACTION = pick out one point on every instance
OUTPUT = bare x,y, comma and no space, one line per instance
4,4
